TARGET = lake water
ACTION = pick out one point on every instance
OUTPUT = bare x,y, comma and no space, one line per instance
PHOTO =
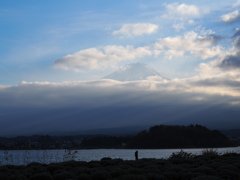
22,157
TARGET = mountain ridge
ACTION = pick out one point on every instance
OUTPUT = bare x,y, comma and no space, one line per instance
136,71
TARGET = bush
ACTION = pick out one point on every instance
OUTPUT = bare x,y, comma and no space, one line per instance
132,177
41,176
181,155
155,177
101,175
106,159
171,175
3,176
18,177
63,176
84,177
54,167
207,178
70,163
210,152
116,172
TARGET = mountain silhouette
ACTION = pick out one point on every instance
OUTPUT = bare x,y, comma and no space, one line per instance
134,72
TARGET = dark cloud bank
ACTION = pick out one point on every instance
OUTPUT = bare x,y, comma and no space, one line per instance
232,61
34,108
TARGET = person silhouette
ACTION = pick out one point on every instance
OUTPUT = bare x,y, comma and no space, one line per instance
136,155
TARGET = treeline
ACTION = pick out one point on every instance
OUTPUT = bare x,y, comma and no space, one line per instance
41,142
106,142
192,136
161,136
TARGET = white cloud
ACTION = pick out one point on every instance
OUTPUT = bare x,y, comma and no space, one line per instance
231,17
227,63
237,3
136,29
193,43
183,10
171,53
179,26
182,14
198,44
100,58
108,103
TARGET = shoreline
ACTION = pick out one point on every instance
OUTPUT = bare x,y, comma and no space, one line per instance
121,148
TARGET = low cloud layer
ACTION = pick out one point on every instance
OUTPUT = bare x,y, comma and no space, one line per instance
47,94
68,106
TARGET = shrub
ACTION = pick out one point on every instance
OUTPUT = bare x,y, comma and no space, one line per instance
231,154
132,177
210,152
84,177
116,172
18,177
106,159
41,176
70,155
3,176
63,176
181,155
155,177
54,167
70,163
34,164
229,174
101,175
171,175
207,178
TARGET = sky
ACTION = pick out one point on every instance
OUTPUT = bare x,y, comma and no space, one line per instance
53,55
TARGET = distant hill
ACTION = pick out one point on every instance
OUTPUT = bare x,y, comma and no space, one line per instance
157,137
134,72
231,132
163,136
193,136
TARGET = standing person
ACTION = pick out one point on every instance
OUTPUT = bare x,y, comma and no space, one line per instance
136,155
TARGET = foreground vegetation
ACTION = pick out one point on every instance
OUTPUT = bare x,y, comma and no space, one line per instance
179,166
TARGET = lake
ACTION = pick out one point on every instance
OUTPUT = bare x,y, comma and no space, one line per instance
23,157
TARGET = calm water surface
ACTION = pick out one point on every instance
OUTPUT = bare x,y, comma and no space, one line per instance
19,157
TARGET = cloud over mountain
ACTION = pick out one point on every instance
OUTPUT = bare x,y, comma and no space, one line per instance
109,103
135,72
